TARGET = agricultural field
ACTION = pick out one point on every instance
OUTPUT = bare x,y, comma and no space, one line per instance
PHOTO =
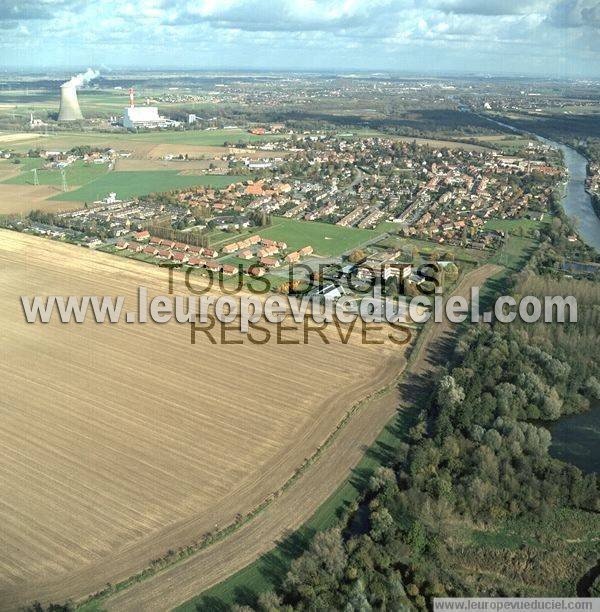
78,173
141,142
145,172
430,142
130,184
107,479
21,199
195,151
7,139
179,165
19,195
507,144
90,182
234,572
443,144
205,138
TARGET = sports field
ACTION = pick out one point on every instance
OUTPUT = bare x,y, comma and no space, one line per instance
519,227
112,474
326,239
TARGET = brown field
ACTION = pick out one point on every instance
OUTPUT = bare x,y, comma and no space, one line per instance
122,441
160,150
24,198
17,137
179,583
66,140
8,170
126,165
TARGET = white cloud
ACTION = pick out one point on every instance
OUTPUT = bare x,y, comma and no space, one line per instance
466,34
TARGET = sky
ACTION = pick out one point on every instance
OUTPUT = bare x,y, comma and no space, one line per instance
555,38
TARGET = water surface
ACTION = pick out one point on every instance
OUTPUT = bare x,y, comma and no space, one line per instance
576,439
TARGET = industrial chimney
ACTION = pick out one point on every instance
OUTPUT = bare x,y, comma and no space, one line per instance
69,106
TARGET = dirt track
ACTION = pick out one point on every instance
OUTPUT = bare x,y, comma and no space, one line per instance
180,583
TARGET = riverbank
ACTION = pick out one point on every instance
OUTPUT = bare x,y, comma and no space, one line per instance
576,200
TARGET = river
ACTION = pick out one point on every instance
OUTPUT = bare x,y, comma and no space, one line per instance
576,438
576,201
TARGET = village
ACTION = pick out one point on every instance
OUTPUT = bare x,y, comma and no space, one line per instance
446,197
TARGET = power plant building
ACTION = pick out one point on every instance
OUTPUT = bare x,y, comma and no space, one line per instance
142,116
69,106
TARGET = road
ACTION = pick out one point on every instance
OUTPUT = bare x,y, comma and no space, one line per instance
181,582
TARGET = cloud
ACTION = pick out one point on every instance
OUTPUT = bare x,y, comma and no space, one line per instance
12,12
281,15
576,14
490,7
463,35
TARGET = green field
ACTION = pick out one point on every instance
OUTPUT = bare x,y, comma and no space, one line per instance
24,164
78,173
326,239
515,252
200,137
130,184
518,227
508,145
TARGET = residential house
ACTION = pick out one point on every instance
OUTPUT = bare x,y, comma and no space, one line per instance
269,262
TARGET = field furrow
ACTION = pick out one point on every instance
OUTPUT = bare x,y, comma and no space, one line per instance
121,441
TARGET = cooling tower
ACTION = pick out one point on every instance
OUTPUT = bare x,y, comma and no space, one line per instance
69,106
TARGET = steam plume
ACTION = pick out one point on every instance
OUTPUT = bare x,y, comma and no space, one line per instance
83,78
